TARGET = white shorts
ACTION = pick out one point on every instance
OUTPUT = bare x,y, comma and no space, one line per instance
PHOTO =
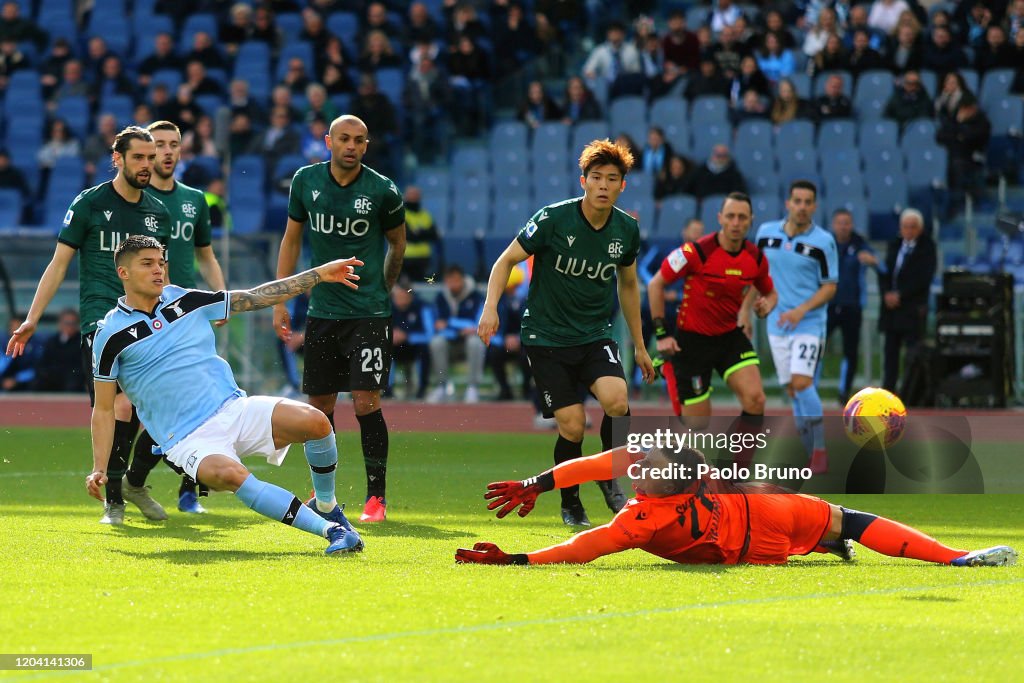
242,427
796,355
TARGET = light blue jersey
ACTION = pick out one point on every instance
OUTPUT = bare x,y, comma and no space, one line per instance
799,266
166,360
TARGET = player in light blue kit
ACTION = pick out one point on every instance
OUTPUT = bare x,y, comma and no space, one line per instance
157,343
804,265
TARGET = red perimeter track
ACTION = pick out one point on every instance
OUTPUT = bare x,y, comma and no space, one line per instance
43,411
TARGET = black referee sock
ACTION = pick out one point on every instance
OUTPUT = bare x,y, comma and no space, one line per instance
124,433
143,460
568,450
374,433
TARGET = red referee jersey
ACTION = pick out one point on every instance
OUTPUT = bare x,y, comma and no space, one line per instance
716,281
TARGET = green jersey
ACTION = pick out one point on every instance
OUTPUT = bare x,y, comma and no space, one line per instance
343,222
100,219
190,228
573,285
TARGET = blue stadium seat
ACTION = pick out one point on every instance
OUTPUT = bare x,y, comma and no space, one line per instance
767,207
709,109
549,188
881,160
871,94
472,186
303,51
391,82
754,134
470,161
971,79
887,196
105,171
629,115
802,84
511,214
210,166
509,134
247,215
342,101
193,25
59,22
248,173
926,167
822,78
709,207
858,208
24,96
210,104
10,208
794,134
1006,147
168,77
434,182
121,106
640,183
439,207
515,185
675,212
995,87
766,181
697,16
345,25
797,162
471,218
585,132
668,112
510,162
641,208
753,160
879,133
290,24
930,83
706,135
75,112
846,184
918,133
836,134
145,27
549,148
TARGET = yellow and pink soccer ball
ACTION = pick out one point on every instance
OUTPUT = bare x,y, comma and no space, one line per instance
875,418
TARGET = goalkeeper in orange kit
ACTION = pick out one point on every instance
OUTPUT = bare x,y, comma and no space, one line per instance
708,521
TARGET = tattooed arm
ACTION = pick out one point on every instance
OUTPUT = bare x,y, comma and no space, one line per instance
396,254
279,291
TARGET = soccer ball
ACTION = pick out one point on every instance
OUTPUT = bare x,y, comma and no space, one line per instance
875,418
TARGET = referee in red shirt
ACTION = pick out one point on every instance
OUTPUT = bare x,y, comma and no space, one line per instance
718,270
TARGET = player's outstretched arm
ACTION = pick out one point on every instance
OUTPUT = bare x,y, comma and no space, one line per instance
48,284
279,291
580,549
102,437
500,271
506,496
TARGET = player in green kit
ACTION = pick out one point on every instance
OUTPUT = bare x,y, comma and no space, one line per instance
583,250
353,211
99,219
190,244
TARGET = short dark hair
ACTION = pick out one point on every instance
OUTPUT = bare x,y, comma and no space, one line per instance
739,197
803,185
841,211
123,140
163,125
454,269
132,245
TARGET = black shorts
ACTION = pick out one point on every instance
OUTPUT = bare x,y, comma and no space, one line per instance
699,354
87,366
560,371
346,355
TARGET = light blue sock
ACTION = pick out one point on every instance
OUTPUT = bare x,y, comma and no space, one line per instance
276,503
322,456
810,406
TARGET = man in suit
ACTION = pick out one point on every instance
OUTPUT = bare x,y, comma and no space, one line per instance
910,267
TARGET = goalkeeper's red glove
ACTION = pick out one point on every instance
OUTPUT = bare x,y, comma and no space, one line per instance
508,495
488,553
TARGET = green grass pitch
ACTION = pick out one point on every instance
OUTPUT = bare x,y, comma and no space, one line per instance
231,596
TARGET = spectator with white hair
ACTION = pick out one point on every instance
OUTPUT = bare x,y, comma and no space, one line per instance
910,266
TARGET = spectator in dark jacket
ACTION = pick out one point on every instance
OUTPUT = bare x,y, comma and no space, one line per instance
862,56
965,136
833,104
996,53
60,362
719,175
676,179
750,77
942,55
580,104
909,101
680,46
411,329
538,106
707,81
906,52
